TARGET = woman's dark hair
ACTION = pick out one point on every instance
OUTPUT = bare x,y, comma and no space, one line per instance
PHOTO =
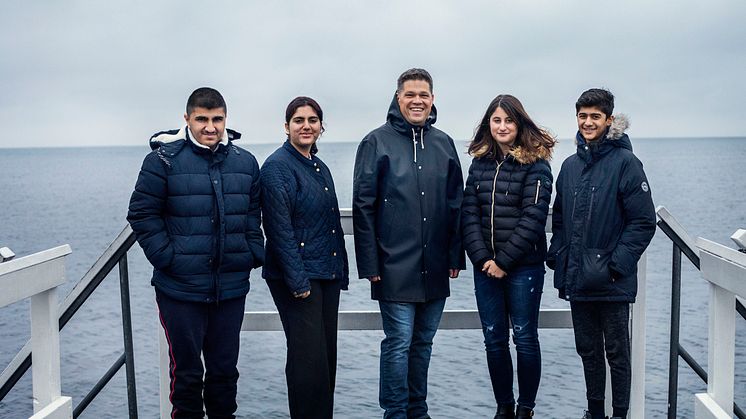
530,137
300,102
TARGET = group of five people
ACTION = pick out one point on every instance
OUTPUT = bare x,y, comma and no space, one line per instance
199,202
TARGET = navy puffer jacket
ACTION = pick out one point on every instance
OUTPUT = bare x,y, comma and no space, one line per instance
505,208
196,216
301,219
603,220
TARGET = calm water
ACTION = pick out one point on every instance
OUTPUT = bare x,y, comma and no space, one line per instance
50,197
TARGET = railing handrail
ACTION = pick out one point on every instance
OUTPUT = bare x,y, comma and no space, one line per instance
685,244
72,302
678,234
36,277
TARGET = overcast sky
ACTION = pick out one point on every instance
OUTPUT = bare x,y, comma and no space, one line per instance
81,73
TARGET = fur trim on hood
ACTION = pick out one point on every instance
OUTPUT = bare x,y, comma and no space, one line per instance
523,156
618,126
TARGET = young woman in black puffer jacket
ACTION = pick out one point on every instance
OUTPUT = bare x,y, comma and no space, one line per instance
504,212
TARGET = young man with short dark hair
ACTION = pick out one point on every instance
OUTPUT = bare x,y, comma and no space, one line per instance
195,212
603,219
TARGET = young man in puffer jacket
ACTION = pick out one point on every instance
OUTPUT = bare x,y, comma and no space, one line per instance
602,222
195,212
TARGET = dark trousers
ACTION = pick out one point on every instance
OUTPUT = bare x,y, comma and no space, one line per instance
514,299
310,326
210,330
600,325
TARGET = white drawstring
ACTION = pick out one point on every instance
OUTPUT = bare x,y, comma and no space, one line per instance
414,144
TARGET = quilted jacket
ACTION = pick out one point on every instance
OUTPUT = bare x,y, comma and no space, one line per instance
301,220
196,216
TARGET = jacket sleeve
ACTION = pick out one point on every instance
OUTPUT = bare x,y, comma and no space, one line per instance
455,193
254,235
536,194
364,204
471,227
146,212
278,193
639,219
557,235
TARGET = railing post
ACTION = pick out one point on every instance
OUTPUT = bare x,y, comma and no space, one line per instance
637,342
673,351
37,277
129,353
45,341
725,270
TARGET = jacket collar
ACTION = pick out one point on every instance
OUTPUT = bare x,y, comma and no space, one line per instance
313,161
614,137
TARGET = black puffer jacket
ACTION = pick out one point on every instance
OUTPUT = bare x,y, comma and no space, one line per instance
505,208
196,216
301,220
603,220
406,209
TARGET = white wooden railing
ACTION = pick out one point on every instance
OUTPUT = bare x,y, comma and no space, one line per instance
725,270
37,277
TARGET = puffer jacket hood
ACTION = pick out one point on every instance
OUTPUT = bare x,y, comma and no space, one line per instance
401,125
615,137
173,136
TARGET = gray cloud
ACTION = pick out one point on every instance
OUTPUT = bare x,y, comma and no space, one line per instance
93,73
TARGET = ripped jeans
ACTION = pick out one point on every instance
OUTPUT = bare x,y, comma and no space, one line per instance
514,300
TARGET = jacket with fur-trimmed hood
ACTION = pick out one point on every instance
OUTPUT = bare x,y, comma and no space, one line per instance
603,219
406,206
196,215
506,201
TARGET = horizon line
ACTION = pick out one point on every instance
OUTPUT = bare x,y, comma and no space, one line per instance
263,142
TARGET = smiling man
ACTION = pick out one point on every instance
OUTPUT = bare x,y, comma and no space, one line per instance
195,212
407,194
602,222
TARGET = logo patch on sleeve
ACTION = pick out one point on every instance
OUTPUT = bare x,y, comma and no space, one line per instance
645,186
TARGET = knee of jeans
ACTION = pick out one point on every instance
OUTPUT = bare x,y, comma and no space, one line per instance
396,343
494,337
525,334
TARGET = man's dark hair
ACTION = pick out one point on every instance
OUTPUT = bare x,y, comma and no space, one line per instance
598,98
205,97
414,74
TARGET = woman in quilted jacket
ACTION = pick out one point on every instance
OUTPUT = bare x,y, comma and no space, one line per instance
506,201
306,261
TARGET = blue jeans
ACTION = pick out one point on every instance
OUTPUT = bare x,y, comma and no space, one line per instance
405,356
514,300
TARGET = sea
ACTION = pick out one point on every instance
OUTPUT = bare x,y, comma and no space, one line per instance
79,196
